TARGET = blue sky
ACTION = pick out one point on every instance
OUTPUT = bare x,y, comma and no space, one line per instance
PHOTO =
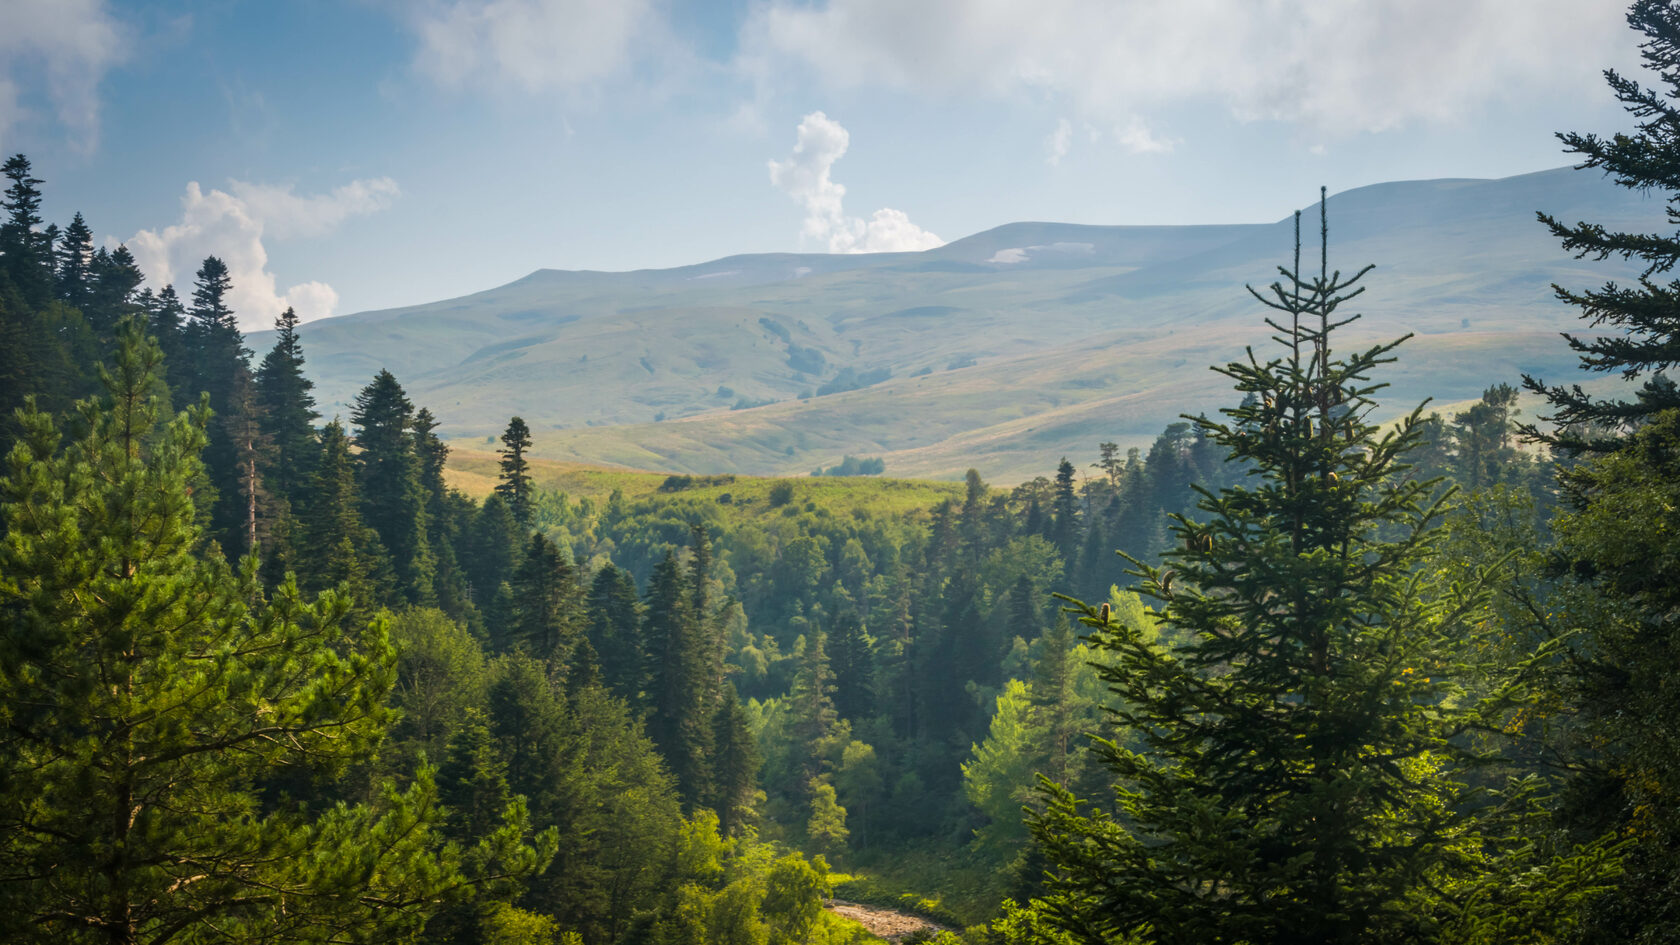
346,155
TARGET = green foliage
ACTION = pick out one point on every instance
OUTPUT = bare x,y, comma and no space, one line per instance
148,691
1301,773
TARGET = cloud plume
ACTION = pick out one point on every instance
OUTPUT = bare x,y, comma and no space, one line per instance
806,177
233,225
60,49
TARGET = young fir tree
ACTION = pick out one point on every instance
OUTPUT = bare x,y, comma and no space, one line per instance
1301,769
515,487
388,478
147,690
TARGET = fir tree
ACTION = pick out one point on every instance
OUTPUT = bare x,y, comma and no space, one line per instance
854,669
25,252
75,265
1636,324
220,368
495,542
343,551
547,602
388,478
614,628
112,293
1302,772
734,765
287,409
515,486
679,722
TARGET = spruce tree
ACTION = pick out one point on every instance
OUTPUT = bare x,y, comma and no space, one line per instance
25,252
1301,771
287,411
614,628
74,255
679,721
495,542
112,293
341,550
388,478
515,486
168,321
547,602
220,368
147,690
1637,332
735,762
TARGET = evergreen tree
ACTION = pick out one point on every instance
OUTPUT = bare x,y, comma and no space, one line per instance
388,478
287,409
447,513
679,722
734,765
220,368
854,669
1302,775
75,267
1064,516
547,603
515,486
168,319
614,628
1636,324
343,551
146,689
25,252
112,295
495,542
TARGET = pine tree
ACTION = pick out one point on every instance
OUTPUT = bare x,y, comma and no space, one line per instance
388,478
146,689
735,764
1644,337
168,320
75,267
287,409
112,294
495,543
679,722
25,252
1301,775
343,551
220,368
547,603
614,628
515,486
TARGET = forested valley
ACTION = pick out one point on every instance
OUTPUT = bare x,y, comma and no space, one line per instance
1355,674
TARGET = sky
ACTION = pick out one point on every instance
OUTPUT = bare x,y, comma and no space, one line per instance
349,155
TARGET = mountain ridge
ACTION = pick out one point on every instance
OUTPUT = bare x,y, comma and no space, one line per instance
776,363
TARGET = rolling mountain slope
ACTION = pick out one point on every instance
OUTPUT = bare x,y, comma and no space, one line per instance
1003,350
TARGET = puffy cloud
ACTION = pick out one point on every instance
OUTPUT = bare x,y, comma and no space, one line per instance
232,226
534,45
805,176
64,46
1336,66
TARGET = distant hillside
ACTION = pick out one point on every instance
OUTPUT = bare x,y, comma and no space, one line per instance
1003,350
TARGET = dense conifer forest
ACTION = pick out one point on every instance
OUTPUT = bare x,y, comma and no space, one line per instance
265,676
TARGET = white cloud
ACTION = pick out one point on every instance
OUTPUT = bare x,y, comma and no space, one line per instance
65,46
232,226
804,176
1336,66
1056,146
1136,137
285,214
534,45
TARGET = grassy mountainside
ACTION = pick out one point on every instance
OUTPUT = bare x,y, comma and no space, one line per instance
1003,350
